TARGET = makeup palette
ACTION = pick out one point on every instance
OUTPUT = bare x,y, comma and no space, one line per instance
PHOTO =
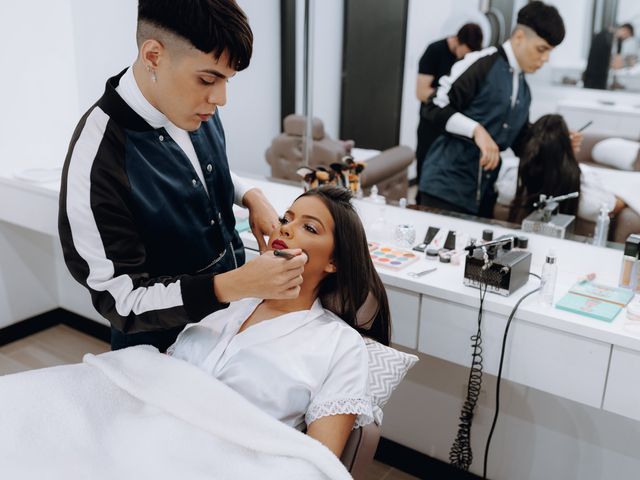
391,257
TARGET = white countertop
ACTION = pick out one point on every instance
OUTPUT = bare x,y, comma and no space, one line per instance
574,259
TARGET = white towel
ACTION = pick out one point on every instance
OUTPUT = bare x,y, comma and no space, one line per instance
136,413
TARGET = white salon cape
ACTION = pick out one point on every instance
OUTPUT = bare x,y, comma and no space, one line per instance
297,367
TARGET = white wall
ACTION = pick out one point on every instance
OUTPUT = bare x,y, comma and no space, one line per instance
61,58
38,85
629,12
104,44
428,21
577,17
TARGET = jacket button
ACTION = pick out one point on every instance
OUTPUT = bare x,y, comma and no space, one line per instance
219,217
505,125
195,182
161,138
209,168
212,223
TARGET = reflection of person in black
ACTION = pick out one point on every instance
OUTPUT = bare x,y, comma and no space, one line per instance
146,203
600,55
435,63
483,106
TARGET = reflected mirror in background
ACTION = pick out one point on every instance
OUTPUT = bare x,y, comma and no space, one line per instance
377,105
603,50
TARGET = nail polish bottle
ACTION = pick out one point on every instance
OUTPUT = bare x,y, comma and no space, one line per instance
629,261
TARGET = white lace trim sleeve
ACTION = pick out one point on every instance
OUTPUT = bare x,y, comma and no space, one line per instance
360,406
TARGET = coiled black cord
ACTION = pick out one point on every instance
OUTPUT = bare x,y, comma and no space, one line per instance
460,454
504,343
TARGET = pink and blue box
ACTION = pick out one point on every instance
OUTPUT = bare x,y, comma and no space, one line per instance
595,300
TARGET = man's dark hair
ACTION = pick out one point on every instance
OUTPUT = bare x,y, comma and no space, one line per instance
211,26
629,27
470,35
543,19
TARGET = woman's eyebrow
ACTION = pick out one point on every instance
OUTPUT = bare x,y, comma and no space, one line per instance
314,218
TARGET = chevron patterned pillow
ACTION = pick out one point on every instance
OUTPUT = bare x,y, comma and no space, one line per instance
387,368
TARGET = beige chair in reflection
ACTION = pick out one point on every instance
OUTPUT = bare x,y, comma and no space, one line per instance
387,170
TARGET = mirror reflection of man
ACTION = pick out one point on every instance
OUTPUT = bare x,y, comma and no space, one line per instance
436,62
483,108
608,50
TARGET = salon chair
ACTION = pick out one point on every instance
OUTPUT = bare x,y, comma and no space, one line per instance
358,453
387,170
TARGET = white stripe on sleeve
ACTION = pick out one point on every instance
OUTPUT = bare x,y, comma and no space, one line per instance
459,123
240,187
86,237
444,85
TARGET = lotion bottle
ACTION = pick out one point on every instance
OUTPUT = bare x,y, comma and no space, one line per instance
548,279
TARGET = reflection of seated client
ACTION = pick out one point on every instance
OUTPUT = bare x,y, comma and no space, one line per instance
548,166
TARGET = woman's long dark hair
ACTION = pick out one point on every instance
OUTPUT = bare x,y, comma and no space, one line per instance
547,166
355,281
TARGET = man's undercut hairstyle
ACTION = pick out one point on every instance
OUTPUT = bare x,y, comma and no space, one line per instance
211,26
544,20
470,35
629,27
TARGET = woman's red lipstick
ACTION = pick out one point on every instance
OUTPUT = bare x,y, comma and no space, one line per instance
279,245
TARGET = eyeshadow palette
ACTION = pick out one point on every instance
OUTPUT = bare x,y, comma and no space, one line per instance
391,257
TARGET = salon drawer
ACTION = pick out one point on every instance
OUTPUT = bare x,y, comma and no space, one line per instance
623,390
405,307
550,360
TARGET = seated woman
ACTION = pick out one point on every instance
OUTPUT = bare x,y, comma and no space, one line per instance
549,166
303,361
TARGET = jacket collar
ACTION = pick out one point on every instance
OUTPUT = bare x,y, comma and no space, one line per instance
507,51
117,109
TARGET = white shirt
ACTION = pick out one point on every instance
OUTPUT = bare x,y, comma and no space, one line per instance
297,367
130,92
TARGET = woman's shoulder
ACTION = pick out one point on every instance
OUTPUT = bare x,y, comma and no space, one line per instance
338,329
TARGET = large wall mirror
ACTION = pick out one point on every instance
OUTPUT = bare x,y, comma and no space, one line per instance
373,74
